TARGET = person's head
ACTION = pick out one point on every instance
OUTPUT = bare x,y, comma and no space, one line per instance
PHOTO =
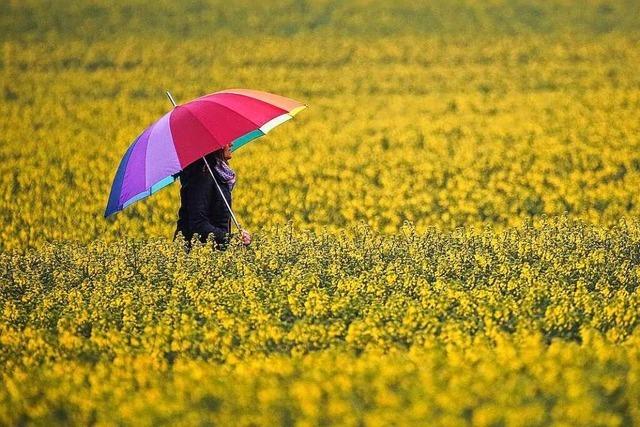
223,154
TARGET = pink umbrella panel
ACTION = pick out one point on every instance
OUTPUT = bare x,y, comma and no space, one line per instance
191,131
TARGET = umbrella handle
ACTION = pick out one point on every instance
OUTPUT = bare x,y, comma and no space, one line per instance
212,176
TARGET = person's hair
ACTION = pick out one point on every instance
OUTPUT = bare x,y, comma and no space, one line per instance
215,156
212,158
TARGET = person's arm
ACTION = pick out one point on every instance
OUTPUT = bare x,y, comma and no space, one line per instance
199,205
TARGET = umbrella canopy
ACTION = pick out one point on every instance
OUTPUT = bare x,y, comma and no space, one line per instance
189,132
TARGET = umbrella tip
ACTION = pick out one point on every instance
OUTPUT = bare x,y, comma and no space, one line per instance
171,98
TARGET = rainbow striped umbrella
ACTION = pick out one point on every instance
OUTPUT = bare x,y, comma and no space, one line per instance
189,132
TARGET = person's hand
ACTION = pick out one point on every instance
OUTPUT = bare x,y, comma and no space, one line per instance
245,238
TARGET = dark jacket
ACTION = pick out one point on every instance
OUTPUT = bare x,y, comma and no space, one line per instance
202,210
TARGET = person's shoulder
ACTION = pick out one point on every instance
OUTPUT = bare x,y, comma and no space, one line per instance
194,172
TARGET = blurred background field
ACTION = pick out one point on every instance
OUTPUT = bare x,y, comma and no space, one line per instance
505,132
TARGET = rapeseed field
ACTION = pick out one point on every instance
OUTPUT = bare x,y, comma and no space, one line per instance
448,235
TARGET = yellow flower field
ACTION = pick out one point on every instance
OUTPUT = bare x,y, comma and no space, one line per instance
448,235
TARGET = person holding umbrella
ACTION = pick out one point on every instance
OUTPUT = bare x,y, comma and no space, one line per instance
203,210
194,142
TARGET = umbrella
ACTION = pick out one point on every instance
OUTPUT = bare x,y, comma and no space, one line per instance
189,132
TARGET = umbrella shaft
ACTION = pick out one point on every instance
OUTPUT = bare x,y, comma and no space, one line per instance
222,195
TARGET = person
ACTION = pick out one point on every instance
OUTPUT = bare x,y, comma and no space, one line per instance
202,210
